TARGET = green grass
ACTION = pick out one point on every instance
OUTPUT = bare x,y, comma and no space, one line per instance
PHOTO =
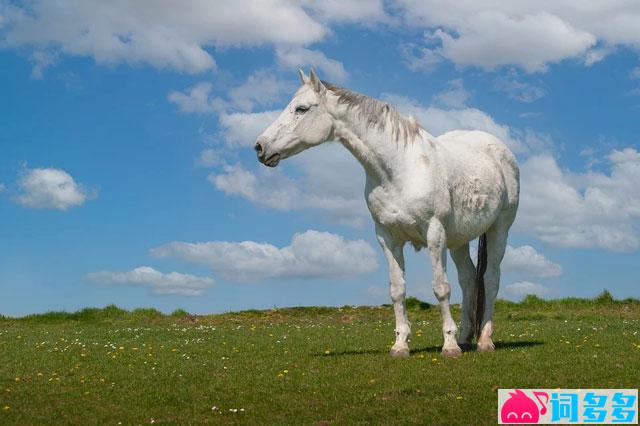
301,365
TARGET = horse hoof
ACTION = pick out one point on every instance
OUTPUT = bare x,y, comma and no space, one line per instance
486,347
465,346
451,352
399,352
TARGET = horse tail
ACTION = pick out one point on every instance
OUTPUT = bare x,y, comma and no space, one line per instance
481,267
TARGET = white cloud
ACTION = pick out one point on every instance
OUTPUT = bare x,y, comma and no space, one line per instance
529,34
210,158
196,99
270,187
591,209
438,120
50,189
262,88
420,58
161,35
454,96
358,11
241,129
336,191
594,56
299,57
158,282
526,261
41,60
494,39
311,254
521,289
236,128
518,90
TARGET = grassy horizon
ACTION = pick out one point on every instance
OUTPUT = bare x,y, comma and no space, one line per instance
115,312
311,365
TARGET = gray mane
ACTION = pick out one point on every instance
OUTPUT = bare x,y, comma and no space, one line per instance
377,114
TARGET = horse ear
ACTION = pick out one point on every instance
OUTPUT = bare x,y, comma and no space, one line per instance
303,78
316,83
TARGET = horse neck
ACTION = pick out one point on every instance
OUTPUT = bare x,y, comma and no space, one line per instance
381,154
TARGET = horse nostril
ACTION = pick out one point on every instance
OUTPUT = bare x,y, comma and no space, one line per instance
258,148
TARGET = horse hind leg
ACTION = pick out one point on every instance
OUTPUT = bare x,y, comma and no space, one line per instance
496,245
466,278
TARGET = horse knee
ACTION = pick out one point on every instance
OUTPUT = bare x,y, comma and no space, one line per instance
442,290
397,293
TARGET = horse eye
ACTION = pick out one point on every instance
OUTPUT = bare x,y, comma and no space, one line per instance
302,109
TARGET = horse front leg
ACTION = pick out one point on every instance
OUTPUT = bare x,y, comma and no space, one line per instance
437,243
395,259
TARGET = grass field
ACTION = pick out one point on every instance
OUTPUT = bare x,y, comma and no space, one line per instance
312,366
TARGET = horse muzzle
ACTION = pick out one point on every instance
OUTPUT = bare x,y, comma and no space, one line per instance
271,160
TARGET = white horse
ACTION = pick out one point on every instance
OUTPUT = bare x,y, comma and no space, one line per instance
432,192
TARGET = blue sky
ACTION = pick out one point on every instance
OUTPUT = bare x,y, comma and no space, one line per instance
127,173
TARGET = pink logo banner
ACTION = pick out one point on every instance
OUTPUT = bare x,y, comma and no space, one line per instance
568,406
